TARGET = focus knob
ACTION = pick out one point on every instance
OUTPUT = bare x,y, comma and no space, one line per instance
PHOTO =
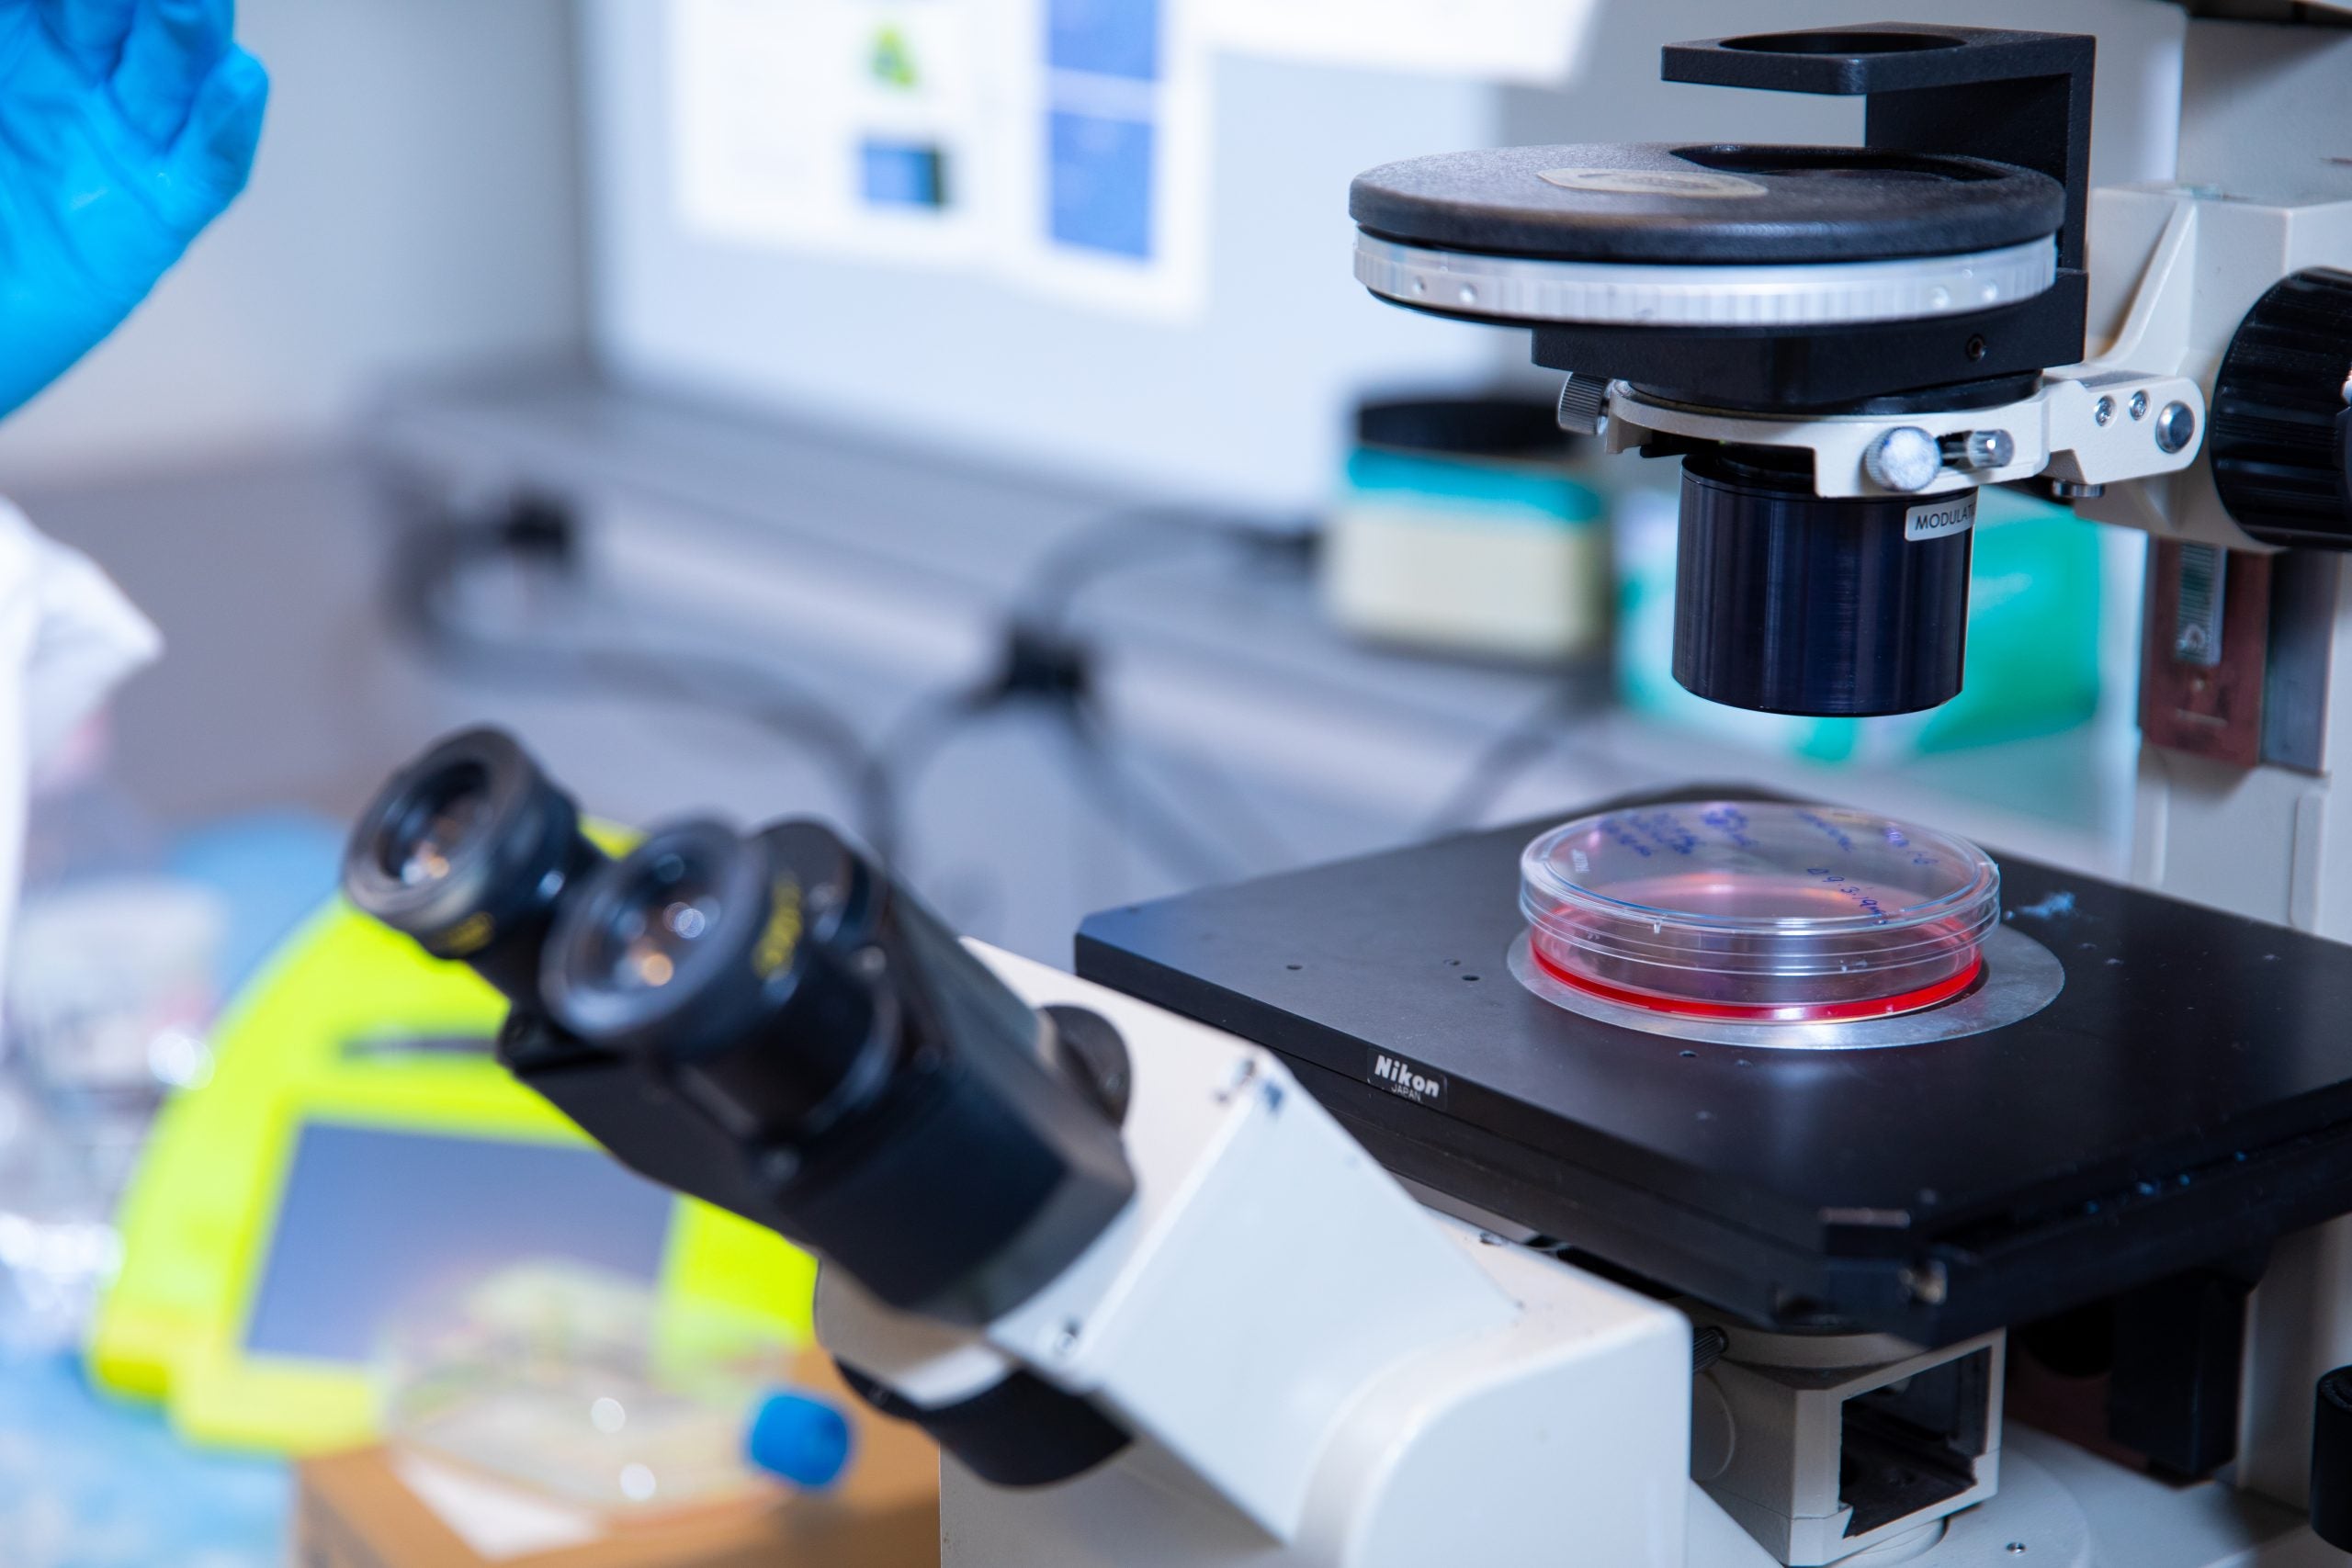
2331,1460
2280,435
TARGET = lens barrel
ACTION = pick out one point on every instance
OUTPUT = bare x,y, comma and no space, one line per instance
892,1105
470,850
1789,602
768,1023
715,954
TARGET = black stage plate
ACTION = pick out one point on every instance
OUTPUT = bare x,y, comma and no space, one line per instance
2188,1095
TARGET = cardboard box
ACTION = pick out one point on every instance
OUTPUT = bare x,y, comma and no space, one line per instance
355,1510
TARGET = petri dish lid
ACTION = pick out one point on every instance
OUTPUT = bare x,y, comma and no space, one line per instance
1759,909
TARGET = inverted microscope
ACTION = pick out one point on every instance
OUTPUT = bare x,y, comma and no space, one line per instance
1711,1180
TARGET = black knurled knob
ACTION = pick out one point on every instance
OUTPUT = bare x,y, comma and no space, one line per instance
2280,435
2331,1460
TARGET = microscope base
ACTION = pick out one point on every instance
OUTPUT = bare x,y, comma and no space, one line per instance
2068,1509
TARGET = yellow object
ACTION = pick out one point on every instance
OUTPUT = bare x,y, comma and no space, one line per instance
349,1026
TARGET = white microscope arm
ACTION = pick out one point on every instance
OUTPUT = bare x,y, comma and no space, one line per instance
1314,1368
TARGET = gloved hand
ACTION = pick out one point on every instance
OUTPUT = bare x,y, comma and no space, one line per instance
126,125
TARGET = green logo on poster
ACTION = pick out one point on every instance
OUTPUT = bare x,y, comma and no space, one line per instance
893,63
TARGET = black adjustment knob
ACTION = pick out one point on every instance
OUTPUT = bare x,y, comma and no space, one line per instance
2280,438
2331,1460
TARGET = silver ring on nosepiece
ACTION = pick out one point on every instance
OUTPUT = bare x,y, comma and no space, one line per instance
1530,288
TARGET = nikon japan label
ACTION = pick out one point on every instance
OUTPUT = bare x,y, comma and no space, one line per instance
1404,1077
1944,515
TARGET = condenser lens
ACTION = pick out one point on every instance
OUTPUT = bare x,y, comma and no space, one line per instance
1786,602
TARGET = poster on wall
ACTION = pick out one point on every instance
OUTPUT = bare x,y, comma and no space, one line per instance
1055,145
1119,215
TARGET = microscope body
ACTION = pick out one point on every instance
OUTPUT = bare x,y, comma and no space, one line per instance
1155,1303
1312,1367
2199,392
1208,1329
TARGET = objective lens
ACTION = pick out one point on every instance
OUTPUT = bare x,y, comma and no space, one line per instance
468,849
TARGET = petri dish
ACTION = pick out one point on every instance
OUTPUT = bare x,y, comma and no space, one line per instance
1758,911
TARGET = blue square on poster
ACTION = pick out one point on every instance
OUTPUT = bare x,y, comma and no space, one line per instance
1101,182
1105,37
902,174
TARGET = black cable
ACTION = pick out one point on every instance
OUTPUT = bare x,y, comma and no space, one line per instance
1527,741
1256,840
905,752
1133,537
1045,663
434,559
1127,801
1118,542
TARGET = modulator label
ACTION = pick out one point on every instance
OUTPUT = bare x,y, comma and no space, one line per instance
1945,514
1402,1076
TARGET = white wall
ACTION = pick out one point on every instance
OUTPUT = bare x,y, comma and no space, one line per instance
415,206
1618,95
1248,402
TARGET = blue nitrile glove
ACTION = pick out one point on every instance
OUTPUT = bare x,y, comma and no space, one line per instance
126,125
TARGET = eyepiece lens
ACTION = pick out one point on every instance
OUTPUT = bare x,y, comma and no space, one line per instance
671,907
422,842
468,850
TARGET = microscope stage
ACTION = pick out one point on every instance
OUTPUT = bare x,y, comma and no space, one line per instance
2187,1097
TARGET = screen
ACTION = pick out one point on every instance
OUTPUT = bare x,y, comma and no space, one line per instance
374,1220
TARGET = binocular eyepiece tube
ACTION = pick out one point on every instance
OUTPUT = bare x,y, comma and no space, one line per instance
762,1020
470,851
